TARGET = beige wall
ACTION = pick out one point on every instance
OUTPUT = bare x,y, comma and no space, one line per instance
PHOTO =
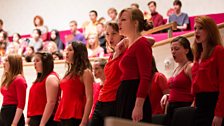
18,14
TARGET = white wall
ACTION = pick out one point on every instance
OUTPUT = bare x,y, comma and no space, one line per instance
18,14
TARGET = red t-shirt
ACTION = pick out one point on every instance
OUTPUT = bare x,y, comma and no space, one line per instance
180,88
73,99
38,98
112,81
15,94
137,64
208,76
159,84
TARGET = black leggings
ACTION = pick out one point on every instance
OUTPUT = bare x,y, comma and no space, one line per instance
70,122
7,114
35,121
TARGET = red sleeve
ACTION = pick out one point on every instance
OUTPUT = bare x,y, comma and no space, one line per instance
21,92
219,110
162,81
160,20
144,60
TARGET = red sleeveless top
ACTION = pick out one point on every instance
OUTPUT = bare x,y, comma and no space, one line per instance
38,98
73,99
180,88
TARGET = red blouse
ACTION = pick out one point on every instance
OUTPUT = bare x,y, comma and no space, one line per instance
112,81
159,84
137,64
15,94
208,76
73,99
38,98
180,88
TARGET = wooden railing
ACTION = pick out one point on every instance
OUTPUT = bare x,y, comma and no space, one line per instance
187,35
171,26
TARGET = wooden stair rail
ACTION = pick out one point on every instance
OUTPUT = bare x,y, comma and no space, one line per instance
171,26
187,35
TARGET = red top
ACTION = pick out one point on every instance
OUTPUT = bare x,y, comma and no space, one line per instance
157,19
112,81
159,84
15,94
96,90
38,98
180,88
73,99
137,64
208,76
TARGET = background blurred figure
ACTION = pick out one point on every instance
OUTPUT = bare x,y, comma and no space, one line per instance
75,34
1,25
38,22
156,18
101,35
159,87
112,13
36,40
44,92
207,73
135,6
55,37
29,53
90,27
3,42
179,17
93,46
13,89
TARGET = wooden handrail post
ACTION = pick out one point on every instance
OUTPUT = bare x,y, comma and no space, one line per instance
170,33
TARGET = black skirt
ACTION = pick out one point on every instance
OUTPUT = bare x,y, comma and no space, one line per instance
205,107
7,114
35,121
126,97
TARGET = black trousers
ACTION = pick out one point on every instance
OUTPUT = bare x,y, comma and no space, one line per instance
102,110
126,97
70,122
171,109
7,114
35,121
205,107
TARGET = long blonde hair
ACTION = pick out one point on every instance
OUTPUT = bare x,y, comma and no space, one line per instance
15,69
213,38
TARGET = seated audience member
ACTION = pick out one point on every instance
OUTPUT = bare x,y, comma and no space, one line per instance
29,53
36,40
75,34
101,20
112,13
52,48
159,87
55,37
135,5
156,18
1,25
3,42
179,17
90,26
14,46
101,35
93,46
98,72
180,82
38,22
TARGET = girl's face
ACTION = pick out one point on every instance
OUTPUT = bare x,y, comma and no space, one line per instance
125,23
178,51
6,64
53,35
29,51
35,35
37,21
97,70
69,54
92,39
112,37
38,63
15,38
200,33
